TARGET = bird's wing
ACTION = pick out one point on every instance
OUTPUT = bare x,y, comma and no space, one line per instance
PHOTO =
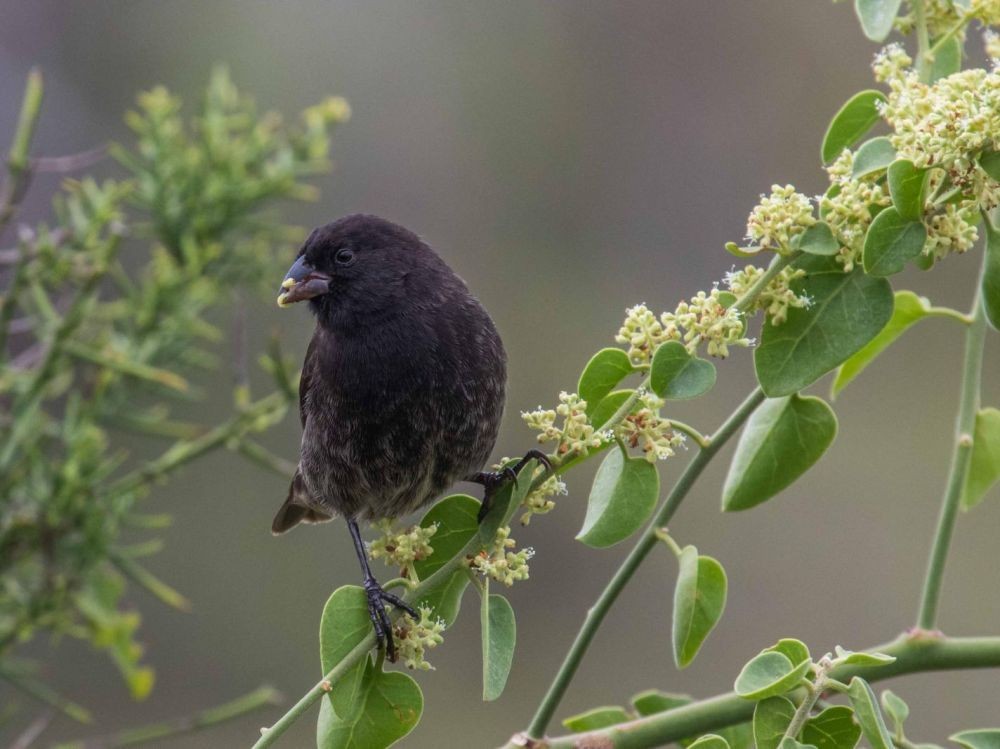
305,379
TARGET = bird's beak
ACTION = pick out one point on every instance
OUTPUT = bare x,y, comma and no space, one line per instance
302,282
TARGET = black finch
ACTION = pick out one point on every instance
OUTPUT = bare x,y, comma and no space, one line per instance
402,387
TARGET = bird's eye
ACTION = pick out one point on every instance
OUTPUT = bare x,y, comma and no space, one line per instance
344,256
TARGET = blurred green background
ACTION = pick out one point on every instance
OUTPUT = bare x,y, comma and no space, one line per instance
568,159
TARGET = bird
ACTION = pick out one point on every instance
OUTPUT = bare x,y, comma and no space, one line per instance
402,388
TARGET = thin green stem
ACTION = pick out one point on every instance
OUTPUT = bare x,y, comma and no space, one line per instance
700,439
595,616
941,40
815,689
972,366
778,264
914,654
17,159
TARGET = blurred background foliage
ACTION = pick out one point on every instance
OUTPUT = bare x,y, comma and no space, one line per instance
568,159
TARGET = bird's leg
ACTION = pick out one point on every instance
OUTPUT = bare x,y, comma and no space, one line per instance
378,597
493,480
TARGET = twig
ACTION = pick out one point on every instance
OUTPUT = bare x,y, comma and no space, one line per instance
46,695
33,731
73,162
17,160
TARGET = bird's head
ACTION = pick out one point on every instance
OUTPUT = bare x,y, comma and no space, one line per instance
359,268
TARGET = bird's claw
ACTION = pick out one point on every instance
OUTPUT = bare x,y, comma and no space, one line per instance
377,598
493,480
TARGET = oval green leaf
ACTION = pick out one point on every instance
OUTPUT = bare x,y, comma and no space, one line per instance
980,738
877,17
853,120
781,441
947,59
390,707
908,308
511,494
456,520
603,372
896,708
818,239
621,499
769,674
908,188
788,743
851,658
608,407
984,468
771,718
699,600
499,632
596,718
890,242
653,701
990,284
848,310
868,715
676,375
834,728
343,625
445,597
873,156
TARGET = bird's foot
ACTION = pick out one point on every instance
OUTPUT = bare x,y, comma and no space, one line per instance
377,598
492,481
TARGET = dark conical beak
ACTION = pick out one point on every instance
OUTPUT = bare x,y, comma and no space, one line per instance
302,282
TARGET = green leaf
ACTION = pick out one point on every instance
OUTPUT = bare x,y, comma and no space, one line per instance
853,120
603,372
455,517
608,407
868,715
699,600
847,311
739,736
793,744
390,707
947,60
710,741
851,658
990,162
512,493
621,499
653,701
499,635
896,708
596,718
818,239
445,597
984,469
891,241
781,441
343,625
676,375
877,17
981,738
742,252
834,728
770,673
771,718
908,308
990,285
873,156
908,188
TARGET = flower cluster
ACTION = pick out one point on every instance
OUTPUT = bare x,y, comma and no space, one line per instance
779,217
847,207
539,501
576,435
708,317
401,549
500,562
942,16
645,428
415,637
776,298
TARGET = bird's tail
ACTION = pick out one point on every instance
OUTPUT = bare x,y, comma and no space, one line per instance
297,508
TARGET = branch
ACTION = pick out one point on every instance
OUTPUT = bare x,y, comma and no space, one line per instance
961,459
596,614
915,653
